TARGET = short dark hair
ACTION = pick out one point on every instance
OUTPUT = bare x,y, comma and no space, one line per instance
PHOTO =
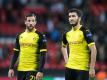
30,14
79,12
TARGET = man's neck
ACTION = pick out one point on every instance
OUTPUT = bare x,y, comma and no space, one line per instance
27,30
77,26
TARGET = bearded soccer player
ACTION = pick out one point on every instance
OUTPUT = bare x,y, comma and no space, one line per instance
30,50
80,63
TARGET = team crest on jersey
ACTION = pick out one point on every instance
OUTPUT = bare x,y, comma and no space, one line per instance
34,38
21,37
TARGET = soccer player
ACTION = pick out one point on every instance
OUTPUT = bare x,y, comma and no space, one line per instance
80,63
29,50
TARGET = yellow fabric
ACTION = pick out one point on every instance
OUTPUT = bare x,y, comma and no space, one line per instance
28,51
78,50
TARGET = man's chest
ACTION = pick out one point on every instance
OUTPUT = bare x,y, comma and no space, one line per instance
28,39
75,37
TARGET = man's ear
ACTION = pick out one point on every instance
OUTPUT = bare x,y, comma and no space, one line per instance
25,22
35,22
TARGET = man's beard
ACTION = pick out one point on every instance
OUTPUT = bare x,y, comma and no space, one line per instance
73,25
30,28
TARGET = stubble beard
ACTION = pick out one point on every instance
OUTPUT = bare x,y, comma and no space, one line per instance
30,28
73,25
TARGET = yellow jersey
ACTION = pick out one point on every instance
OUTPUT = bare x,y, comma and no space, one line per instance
78,41
29,45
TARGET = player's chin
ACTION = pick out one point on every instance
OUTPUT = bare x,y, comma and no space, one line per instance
72,23
31,27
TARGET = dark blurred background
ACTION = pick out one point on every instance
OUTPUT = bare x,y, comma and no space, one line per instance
52,20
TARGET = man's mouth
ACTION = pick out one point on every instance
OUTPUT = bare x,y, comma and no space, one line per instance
30,26
72,22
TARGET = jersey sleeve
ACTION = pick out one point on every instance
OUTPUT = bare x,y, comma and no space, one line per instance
17,46
42,52
42,43
89,37
64,40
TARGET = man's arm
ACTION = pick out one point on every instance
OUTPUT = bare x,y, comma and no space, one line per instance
14,58
89,39
93,60
42,53
93,56
65,54
39,74
43,50
42,61
64,48
13,61
16,53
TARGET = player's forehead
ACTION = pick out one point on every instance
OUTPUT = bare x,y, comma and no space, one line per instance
31,18
72,13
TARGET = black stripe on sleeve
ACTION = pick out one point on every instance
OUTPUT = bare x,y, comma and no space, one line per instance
64,40
88,35
42,41
17,46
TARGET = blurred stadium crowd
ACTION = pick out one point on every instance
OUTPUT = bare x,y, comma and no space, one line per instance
52,20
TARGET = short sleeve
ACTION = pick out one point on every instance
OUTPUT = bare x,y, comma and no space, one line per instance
89,37
17,46
64,40
42,43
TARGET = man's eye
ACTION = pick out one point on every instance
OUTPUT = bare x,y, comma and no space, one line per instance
32,20
73,15
29,20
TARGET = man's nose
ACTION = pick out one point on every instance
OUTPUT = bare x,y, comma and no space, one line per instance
71,19
31,24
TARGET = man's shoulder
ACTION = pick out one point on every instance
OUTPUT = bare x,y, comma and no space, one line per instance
41,34
38,32
66,31
85,29
18,34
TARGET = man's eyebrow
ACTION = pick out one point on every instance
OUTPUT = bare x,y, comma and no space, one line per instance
72,15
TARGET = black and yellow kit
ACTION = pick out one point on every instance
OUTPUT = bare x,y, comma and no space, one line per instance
79,53
30,48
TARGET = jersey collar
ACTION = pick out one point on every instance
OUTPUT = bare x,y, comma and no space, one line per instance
32,31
